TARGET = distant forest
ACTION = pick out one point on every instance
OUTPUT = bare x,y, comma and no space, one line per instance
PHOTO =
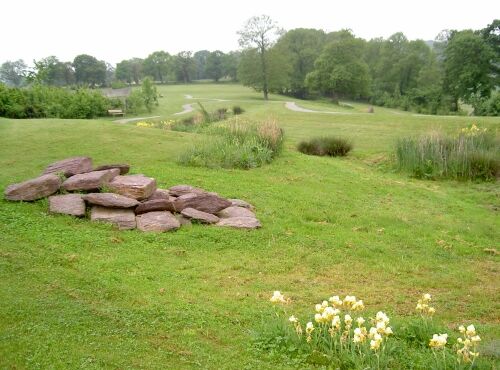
434,77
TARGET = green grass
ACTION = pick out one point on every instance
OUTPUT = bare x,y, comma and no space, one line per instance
75,294
465,157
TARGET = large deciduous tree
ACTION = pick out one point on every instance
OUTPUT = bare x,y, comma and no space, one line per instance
13,73
340,70
184,66
257,36
301,47
214,68
467,66
89,70
157,65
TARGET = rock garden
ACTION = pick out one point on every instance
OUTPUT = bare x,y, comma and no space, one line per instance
107,193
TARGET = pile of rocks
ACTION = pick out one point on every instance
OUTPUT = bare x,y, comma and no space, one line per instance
129,201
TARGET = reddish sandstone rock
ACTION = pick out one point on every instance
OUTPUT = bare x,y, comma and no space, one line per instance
124,219
111,200
205,202
203,217
133,186
124,168
70,166
33,189
155,205
157,221
68,204
235,212
240,223
90,180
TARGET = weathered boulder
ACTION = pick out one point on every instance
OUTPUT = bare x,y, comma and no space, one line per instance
370,109
240,222
240,203
124,219
111,200
157,221
33,189
232,211
161,194
203,217
68,204
184,221
155,205
70,166
90,180
133,186
179,190
123,167
205,202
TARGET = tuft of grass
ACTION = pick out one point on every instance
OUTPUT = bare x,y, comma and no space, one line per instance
439,156
238,110
332,146
237,144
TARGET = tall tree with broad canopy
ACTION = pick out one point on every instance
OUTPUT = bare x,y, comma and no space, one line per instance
14,73
340,70
257,36
301,47
467,66
89,71
215,65
184,66
157,65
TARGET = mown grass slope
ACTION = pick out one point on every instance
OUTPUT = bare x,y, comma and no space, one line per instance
76,294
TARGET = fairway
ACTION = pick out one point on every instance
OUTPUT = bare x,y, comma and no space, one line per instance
76,294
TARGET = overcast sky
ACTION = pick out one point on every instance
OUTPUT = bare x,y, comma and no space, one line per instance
114,30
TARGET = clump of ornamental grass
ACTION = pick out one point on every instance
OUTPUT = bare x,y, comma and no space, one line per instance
338,335
471,154
332,146
236,144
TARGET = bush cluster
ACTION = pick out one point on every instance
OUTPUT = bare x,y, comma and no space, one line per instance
472,154
331,146
236,144
41,101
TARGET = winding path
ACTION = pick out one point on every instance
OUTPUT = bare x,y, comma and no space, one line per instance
294,107
186,108
127,120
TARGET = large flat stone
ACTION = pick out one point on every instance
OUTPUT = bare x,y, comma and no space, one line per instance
33,189
157,221
133,186
90,180
179,190
205,202
70,166
123,167
161,194
155,205
241,203
203,217
124,219
232,211
111,200
240,222
67,204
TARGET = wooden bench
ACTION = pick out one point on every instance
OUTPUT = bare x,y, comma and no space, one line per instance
116,112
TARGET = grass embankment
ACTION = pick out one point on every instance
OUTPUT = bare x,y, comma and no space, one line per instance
77,294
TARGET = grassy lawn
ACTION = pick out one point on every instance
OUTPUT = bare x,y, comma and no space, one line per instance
80,295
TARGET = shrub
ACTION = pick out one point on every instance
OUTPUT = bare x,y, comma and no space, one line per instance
331,146
41,101
236,144
135,101
237,110
472,154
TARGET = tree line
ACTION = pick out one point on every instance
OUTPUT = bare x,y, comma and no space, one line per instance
426,76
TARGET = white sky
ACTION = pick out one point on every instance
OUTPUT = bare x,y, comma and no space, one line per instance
113,30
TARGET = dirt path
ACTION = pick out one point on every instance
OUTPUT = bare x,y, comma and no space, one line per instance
127,120
190,97
186,108
293,106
